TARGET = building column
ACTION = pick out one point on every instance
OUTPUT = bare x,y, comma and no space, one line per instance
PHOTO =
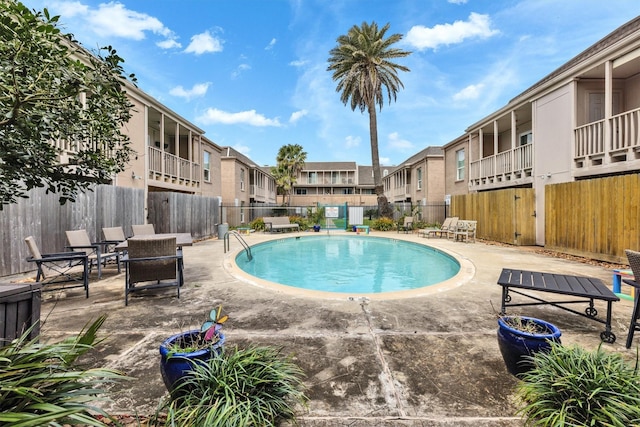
608,108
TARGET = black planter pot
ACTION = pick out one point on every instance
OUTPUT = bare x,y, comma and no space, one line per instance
515,344
174,367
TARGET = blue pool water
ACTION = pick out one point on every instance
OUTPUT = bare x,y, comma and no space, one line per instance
357,264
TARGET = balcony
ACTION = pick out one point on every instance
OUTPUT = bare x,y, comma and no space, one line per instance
509,168
601,146
169,168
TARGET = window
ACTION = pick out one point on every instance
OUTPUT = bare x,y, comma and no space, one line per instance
206,166
301,191
526,138
460,165
313,178
419,173
241,179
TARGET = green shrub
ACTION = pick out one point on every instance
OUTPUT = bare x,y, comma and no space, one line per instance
257,224
383,224
41,384
302,222
249,387
570,386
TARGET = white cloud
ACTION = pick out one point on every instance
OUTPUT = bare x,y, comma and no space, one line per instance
70,9
169,44
385,161
469,93
114,20
297,115
199,89
204,43
251,118
244,149
271,44
457,1
298,63
352,141
445,34
240,69
397,143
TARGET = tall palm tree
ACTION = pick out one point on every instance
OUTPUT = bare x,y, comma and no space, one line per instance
290,162
362,65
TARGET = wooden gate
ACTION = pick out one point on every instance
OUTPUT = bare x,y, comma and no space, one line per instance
506,216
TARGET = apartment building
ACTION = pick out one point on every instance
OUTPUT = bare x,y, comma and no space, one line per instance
334,183
418,180
580,121
172,154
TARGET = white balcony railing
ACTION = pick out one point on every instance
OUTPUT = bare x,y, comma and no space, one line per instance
594,147
503,167
165,166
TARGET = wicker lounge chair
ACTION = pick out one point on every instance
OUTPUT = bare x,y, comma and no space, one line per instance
143,229
152,262
59,268
79,241
634,264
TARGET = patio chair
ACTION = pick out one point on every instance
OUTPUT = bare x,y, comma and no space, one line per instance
59,268
466,231
634,264
143,229
79,241
428,232
407,225
152,262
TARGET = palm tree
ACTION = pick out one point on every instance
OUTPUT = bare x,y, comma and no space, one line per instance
290,162
362,65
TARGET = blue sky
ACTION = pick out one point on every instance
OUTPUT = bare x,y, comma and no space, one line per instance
253,73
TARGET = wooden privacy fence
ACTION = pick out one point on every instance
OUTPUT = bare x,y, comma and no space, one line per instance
184,213
506,216
596,218
42,217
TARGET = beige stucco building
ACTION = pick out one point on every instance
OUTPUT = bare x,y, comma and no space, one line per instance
418,180
580,121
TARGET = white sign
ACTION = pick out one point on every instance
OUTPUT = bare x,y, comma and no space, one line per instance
331,212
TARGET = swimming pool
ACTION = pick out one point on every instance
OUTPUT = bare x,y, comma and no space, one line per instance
348,264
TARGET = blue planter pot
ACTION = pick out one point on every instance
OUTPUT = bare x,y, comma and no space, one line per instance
176,366
316,228
515,345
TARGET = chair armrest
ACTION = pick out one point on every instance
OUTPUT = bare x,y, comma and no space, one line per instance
65,256
631,283
92,246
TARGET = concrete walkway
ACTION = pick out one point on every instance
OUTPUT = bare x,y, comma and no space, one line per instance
428,360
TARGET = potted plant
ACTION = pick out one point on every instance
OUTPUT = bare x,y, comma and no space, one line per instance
521,337
572,386
181,352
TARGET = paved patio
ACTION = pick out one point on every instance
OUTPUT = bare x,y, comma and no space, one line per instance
428,360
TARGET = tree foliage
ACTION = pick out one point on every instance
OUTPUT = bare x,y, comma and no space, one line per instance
362,64
62,108
290,162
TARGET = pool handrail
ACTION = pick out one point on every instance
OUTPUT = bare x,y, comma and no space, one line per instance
244,244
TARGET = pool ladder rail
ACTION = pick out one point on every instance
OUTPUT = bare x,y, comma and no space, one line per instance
244,244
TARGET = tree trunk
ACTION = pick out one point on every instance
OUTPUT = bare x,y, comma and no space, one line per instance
383,205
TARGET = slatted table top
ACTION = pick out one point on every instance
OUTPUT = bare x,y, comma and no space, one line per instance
564,284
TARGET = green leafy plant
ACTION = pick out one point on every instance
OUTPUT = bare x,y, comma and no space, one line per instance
383,224
209,335
257,224
43,385
257,386
570,386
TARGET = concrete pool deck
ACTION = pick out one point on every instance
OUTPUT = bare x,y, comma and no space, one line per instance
427,360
